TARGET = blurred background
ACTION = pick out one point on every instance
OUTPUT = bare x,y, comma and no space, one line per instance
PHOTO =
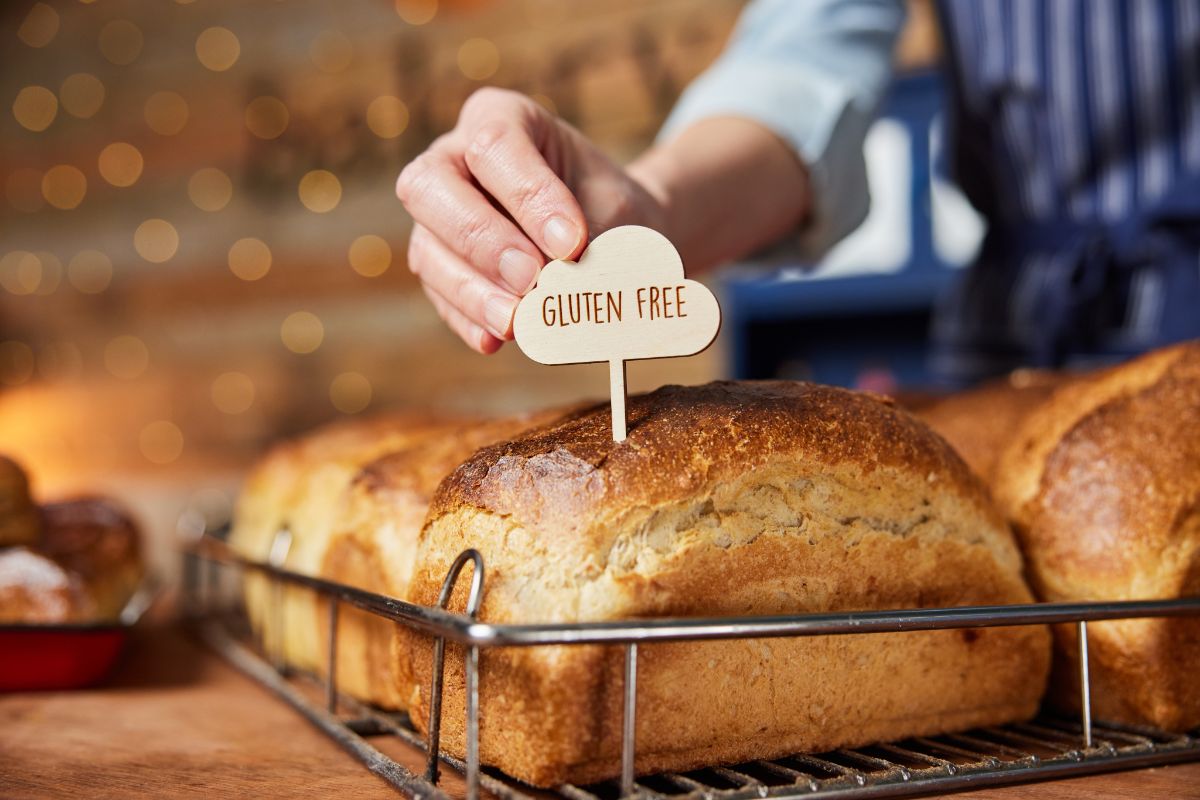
200,248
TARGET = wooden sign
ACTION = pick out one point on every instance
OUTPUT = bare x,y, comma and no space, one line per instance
625,299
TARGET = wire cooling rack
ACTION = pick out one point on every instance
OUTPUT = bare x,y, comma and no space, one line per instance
1048,747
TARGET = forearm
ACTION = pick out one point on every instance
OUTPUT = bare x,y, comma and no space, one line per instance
726,186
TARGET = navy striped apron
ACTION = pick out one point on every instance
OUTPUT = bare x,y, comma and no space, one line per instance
1075,130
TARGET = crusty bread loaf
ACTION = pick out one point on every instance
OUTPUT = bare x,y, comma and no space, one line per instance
374,542
1103,484
726,499
981,422
299,485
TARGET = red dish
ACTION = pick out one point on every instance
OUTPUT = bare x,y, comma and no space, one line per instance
39,657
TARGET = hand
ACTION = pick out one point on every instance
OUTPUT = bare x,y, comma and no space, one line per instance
510,187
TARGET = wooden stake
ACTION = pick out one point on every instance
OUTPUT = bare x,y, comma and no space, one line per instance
616,388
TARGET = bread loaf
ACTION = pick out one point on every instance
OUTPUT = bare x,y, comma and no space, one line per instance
1103,484
373,546
981,422
20,522
300,486
726,499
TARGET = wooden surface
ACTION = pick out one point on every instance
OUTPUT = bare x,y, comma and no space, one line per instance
176,721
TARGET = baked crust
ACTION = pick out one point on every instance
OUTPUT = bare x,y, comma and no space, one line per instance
981,422
1103,483
20,522
374,544
726,499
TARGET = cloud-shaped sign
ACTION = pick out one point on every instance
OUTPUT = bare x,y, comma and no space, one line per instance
625,299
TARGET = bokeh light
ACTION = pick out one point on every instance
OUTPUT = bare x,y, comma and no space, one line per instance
126,357
416,12
266,117
387,117
120,164
166,113
64,186
35,107
320,191
39,27
478,58
23,189
82,95
370,255
51,272
302,332
331,51
232,392
90,271
350,392
161,442
210,189
20,272
121,42
249,259
156,240
218,48
16,362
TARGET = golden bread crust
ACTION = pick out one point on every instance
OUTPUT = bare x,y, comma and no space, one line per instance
726,499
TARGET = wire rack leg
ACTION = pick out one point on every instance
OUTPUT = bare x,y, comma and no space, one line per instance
474,600
629,722
331,677
1085,689
473,723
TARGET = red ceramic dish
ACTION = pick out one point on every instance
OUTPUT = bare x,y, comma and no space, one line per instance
34,657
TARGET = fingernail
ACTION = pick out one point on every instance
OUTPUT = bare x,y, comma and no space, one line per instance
561,237
498,313
519,270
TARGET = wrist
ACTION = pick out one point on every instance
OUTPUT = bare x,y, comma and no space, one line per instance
649,172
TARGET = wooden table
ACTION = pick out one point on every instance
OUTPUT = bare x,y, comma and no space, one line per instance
176,721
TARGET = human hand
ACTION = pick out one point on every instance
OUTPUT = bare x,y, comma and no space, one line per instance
508,188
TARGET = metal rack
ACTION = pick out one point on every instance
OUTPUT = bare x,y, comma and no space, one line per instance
1048,747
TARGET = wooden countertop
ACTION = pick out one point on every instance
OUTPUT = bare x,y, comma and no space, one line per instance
176,721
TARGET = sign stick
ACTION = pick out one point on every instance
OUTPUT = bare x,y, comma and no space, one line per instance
616,388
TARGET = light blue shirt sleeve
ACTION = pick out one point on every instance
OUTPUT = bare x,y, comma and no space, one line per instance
813,72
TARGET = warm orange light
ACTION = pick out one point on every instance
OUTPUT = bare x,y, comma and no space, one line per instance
64,186
82,95
320,191
90,271
121,41
416,12
35,108
370,255
232,392
210,189
121,164
126,357
20,272
249,259
161,442
51,270
166,113
478,58
218,48
39,26
350,392
302,332
156,240
387,117
266,117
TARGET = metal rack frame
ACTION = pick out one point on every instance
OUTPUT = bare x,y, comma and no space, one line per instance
1006,754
